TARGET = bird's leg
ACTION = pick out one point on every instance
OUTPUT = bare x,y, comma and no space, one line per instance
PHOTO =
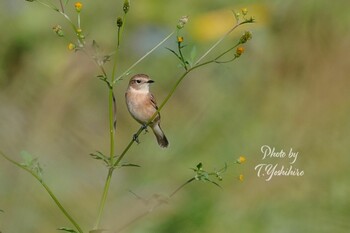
144,127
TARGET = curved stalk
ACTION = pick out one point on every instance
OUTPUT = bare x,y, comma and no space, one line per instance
48,190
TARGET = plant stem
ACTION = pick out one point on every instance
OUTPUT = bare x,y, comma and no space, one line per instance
104,197
78,20
156,205
180,187
219,41
112,130
127,147
143,57
62,8
48,190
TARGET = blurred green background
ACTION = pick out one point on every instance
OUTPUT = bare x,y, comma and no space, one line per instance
289,90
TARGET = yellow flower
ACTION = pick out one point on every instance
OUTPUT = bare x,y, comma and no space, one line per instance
78,6
244,11
239,51
180,39
71,46
241,159
241,177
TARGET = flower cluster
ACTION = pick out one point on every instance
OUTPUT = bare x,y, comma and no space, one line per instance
58,30
245,37
182,21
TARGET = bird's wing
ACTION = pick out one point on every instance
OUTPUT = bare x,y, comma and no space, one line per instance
154,104
153,101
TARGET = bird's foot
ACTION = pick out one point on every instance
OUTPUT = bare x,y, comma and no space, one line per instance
136,138
144,127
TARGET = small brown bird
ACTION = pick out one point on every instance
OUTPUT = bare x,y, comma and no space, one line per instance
142,105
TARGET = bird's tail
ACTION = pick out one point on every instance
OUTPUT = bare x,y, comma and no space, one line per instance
161,139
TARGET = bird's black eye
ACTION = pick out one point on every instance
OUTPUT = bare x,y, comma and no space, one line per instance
138,81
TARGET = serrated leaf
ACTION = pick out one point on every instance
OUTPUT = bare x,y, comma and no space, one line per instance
67,229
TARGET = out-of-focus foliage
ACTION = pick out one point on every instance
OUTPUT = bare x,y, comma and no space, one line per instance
290,89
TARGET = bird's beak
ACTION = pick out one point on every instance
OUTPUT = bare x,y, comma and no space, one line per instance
150,81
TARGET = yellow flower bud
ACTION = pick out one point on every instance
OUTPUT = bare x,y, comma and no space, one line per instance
78,6
241,159
71,46
241,177
244,11
180,39
239,52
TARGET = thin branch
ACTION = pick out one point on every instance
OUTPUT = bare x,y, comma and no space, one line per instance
54,198
220,40
143,57
62,7
181,186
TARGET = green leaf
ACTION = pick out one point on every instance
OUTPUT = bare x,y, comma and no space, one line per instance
27,158
177,55
31,163
67,229
66,2
130,165
100,156
97,231
213,182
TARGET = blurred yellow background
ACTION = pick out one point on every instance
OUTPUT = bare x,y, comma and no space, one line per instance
290,89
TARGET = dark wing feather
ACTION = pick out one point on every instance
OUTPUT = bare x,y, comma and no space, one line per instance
154,104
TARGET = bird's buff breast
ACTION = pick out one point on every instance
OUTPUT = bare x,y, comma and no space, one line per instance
140,107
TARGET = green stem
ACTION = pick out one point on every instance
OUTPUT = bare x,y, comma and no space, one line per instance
111,107
127,147
111,124
143,57
180,187
104,197
62,8
119,38
81,41
219,41
54,198
158,204
79,20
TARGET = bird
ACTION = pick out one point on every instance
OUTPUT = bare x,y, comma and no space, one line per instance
142,106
